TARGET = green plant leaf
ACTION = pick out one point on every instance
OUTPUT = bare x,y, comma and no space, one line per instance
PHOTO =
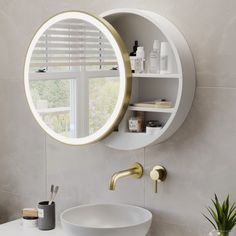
232,209
214,215
210,221
223,215
218,208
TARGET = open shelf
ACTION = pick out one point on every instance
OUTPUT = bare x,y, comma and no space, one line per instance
155,76
151,109
177,86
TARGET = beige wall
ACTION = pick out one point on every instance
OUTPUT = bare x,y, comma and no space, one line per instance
200,157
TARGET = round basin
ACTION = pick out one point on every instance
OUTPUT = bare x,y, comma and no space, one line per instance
106,219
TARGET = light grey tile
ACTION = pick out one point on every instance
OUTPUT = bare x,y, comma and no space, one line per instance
210,37
199,158
22,144
160,228
83,174
11,205
19,24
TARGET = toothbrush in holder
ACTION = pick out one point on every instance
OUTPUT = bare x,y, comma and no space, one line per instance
53,194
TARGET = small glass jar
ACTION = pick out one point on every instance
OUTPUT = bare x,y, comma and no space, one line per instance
219,233
135,124
153,127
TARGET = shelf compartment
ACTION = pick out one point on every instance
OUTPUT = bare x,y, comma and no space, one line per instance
151,109
156,76
177,86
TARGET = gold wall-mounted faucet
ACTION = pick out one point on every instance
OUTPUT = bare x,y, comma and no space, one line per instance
136,170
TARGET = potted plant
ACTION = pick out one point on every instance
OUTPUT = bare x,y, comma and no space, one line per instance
223,216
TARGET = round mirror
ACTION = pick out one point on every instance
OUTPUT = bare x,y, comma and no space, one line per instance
77,78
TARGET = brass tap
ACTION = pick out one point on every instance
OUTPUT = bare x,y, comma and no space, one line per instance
136,170
158,174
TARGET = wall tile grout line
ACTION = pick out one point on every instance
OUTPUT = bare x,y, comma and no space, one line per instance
45,163
214,87
144,185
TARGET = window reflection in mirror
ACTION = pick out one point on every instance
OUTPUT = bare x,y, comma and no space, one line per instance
73,78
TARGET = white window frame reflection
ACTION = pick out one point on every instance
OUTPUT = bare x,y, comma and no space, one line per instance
79,96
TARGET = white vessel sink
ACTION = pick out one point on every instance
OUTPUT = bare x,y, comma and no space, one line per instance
106,219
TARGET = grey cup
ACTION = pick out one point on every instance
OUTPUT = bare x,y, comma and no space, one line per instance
46,214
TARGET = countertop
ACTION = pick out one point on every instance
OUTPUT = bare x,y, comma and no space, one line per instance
14,228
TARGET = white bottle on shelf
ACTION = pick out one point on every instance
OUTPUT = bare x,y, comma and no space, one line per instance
154,58
165,58
140,58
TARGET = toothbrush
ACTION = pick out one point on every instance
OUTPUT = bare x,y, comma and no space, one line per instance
55,193
51,193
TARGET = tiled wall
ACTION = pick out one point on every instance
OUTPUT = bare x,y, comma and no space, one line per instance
200,157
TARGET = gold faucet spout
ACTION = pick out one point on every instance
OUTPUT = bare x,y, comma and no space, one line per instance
136,170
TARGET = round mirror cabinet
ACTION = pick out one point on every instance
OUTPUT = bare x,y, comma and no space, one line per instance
78,78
